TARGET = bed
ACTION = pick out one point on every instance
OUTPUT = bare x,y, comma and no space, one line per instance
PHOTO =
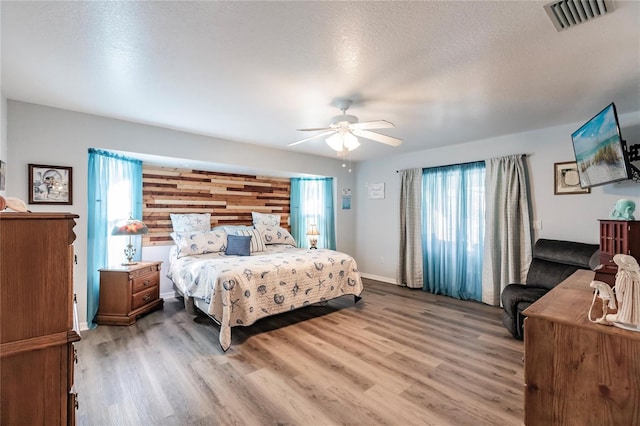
239,290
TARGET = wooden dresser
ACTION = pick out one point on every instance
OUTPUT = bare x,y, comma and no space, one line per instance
38,324
127,292
577,372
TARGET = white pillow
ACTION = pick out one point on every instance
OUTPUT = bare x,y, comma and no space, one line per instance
232,229
190,222
262,219
276,235
256,239
199,242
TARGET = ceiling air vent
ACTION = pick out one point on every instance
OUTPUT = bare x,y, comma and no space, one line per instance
568,13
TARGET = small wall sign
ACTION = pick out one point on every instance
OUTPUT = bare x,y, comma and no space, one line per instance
376,191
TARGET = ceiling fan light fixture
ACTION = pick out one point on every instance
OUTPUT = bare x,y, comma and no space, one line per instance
350,141
343,140
344,131
335,142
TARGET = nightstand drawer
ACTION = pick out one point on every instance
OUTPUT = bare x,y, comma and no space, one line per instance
145,296
144,282
143,271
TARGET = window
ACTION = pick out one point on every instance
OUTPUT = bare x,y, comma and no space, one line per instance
114,193
118,208
312,203
453,229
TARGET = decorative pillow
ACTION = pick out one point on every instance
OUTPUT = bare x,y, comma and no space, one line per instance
276,235
261,219
239,245
190,222
233,229
256,239
199,242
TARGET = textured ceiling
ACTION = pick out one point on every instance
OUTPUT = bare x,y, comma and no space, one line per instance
442,72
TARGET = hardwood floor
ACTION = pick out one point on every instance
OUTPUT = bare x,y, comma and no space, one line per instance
397,357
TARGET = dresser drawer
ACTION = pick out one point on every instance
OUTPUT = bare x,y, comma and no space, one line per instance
145,296
72,358
72,407
144,282
143,271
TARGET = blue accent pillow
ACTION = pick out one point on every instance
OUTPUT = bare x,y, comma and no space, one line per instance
239,245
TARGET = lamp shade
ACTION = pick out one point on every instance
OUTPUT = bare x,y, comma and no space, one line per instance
130,227
343,140
350,141
313,230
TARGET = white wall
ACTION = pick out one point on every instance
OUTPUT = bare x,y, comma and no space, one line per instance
3,121
44,135
564,217
3,134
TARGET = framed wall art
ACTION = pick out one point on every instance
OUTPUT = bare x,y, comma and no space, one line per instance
567,180
50,184
346,198
3,174
376,191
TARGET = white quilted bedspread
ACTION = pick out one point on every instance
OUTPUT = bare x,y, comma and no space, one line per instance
242,289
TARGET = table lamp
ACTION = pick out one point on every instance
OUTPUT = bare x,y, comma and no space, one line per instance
313,236
130,227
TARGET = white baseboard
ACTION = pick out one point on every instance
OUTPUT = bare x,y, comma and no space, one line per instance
379,278
84,326
169,295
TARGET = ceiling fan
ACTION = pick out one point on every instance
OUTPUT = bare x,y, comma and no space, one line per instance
344,130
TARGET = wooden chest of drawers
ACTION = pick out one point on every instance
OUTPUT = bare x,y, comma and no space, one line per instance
38,325
126,292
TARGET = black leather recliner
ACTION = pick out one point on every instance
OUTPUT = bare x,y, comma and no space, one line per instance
553,261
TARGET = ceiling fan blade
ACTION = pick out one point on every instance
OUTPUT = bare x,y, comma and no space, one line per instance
380,124
319,135
389,140
314,129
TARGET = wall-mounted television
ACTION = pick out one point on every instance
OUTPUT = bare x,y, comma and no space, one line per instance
601,154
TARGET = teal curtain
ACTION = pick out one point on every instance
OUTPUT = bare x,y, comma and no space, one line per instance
115,192
312,203
453,209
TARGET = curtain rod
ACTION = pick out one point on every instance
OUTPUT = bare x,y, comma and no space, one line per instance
468,162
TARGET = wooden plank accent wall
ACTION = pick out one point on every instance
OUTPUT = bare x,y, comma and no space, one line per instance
230,198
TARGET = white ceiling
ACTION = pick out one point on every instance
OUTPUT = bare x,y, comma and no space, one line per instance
442,72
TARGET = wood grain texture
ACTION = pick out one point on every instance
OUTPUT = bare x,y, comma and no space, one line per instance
36,318
397,357
577,372
230,198
127,291
35,296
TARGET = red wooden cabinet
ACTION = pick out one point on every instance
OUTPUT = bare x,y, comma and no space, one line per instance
617,237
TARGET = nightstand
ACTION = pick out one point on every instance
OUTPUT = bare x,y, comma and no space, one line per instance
126,292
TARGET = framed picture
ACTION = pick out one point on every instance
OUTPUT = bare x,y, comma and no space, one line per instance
50,184
3,174
376,191
346,198
567,180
